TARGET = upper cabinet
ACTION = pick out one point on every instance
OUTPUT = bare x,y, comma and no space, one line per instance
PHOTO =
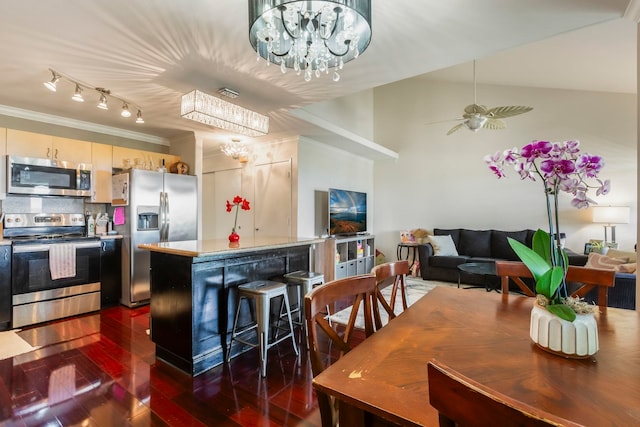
30,144
3,163
101,158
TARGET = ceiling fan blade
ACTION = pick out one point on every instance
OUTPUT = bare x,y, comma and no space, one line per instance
455,128
507,111
494,124
445,121
475,108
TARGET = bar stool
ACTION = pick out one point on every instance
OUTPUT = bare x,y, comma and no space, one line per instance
304,281
262,292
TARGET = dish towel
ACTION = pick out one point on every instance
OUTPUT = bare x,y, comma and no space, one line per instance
118,216
62,260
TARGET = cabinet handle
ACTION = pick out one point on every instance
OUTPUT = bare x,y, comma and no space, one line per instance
104,246
48,152
6,254
56,155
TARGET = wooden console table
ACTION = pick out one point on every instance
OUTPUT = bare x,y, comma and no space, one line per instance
485,336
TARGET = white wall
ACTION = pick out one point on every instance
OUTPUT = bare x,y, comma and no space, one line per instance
441,181
321,167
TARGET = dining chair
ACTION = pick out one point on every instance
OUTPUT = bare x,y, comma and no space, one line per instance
390,273
586,278
325,338
463,402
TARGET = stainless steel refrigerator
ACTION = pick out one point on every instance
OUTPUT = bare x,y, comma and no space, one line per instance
162,207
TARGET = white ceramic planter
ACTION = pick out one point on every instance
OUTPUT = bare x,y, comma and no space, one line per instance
577,339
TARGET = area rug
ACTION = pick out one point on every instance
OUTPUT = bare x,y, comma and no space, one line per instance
416,289
12,345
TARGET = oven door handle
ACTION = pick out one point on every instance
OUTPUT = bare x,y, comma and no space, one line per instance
45,247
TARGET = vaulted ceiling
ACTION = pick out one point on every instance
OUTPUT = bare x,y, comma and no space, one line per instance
152,52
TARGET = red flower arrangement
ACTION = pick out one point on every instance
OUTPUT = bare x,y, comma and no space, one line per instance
239,203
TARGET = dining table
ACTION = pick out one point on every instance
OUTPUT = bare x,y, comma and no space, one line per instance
485,336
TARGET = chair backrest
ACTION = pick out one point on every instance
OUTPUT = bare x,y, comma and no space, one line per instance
463,402
325,336
589,278
390,273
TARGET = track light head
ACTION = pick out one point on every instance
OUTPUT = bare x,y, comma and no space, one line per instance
139,118
51,85
102,104
125,110
77,96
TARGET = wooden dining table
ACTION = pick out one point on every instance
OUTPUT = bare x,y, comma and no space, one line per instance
485,336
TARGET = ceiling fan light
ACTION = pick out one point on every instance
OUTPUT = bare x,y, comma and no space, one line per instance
475,122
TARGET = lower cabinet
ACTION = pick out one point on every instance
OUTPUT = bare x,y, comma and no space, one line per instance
110,272
349,256
5,287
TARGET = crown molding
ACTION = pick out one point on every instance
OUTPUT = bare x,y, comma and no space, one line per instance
79,124
633,11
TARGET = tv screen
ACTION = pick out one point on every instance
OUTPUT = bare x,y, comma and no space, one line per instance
347,212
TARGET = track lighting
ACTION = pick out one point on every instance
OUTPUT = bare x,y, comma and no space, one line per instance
104,95
125,110
77,96
102,104
52,85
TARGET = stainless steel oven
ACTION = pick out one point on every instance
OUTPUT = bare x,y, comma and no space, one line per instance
48,177
39,295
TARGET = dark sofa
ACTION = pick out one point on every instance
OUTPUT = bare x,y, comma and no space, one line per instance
490,245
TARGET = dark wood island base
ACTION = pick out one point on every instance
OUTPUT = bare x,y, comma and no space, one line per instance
194,292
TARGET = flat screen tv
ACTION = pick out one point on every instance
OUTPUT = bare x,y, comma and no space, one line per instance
347,212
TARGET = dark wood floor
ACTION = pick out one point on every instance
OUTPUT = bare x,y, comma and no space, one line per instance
100,370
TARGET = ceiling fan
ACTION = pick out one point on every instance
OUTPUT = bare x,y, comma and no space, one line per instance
477,116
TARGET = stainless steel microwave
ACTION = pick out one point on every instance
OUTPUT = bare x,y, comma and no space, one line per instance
46,177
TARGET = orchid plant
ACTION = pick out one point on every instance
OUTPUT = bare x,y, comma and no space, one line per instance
239,203
561,168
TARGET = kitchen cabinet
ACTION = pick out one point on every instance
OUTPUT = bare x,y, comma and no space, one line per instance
5,287
3,163
41,146
101,164
110,272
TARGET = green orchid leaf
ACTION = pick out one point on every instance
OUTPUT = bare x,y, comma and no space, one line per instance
536,264
541,245
549,282
562,311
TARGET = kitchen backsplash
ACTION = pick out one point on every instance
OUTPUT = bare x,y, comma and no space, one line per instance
20,204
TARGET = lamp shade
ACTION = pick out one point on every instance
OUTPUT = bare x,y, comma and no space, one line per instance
611,214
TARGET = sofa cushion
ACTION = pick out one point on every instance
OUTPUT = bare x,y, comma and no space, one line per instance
442,245
451,262
500,247
616,253
628,268
475,243
453,232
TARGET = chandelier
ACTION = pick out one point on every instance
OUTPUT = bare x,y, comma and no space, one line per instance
310,36
213,111
236,150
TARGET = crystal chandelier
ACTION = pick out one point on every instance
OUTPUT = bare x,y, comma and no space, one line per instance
236,150
213,111
310,36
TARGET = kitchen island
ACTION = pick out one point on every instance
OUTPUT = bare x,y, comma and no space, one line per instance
194,291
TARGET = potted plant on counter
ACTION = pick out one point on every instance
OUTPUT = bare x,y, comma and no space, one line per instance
561,167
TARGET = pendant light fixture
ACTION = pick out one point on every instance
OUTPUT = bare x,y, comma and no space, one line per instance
310,37
104,94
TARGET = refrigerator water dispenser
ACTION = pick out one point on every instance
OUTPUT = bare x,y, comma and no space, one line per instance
148,217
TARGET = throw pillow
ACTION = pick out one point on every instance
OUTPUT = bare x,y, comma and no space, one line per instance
443,245
627,268
615,253
604,262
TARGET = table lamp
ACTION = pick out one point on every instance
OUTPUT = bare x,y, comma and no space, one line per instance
610,216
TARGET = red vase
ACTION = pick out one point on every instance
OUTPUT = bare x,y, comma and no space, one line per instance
234,237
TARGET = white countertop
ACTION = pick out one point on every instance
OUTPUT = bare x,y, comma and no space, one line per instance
201,248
